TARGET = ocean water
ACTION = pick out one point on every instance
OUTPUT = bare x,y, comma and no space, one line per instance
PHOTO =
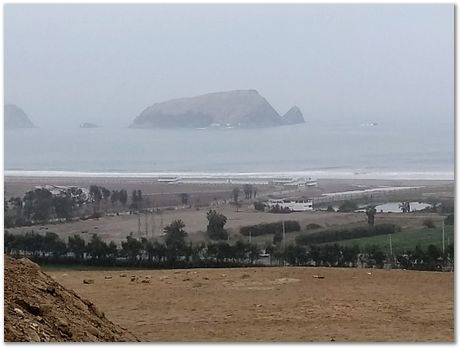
389,150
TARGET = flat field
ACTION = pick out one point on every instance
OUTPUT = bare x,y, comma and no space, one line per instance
406,239
273,304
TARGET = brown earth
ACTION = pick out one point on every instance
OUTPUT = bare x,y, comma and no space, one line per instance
38,309
274,304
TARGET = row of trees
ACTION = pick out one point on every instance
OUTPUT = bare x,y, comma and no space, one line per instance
175,251
41,206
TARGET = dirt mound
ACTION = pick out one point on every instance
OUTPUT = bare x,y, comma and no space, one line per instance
38,309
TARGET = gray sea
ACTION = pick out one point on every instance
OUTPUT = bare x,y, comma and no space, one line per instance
356,150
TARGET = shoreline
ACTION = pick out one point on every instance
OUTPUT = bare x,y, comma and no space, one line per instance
202,176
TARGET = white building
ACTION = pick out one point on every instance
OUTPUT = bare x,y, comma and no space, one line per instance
293,205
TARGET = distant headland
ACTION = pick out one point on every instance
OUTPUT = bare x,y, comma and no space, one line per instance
231,109
15,117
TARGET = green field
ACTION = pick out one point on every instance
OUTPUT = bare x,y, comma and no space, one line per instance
406,239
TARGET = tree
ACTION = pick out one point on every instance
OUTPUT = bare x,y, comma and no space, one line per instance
449,219
53,244
149,248
247,189
97,248
8,240
197,251
184,198
405,207
236,193
175,239
96,195
140,199
112,250
350,255
315,254
374,252
114,197
278,237
370,212
123,197
38,204
105,196
216,223
240,250
131,247
16,204
433,252
259,206
295,255
63,206
450,251
253,252
136,200
77,245
348,207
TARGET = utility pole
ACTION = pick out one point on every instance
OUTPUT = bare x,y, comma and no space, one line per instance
443,245
391,247
139,224
161,221
284,245
250,237
146,224
284,237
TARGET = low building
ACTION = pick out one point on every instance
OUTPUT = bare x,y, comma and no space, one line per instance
293,205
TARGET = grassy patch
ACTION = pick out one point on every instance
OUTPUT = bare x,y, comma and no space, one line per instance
406,239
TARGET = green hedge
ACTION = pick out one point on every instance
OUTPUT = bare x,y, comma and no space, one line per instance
271,228
342,234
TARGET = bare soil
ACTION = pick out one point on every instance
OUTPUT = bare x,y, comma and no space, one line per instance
38,309
274,304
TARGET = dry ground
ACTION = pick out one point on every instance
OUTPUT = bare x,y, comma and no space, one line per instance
116,228
274,304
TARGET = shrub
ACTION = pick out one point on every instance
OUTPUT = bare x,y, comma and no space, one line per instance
259,206
428,223
271,228
348,207
329,236
386,228
329,208
280,210
313,227
449,219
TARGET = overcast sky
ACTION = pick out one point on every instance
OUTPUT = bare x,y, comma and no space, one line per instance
67,64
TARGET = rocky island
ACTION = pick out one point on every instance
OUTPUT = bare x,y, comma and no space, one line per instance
231,109
15,117
88,125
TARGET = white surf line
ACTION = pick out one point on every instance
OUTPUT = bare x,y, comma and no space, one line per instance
377,189
235,175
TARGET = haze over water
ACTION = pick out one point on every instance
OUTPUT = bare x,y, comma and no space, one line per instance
342,65
319,149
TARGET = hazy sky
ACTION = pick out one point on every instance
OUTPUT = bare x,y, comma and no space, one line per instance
67,64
